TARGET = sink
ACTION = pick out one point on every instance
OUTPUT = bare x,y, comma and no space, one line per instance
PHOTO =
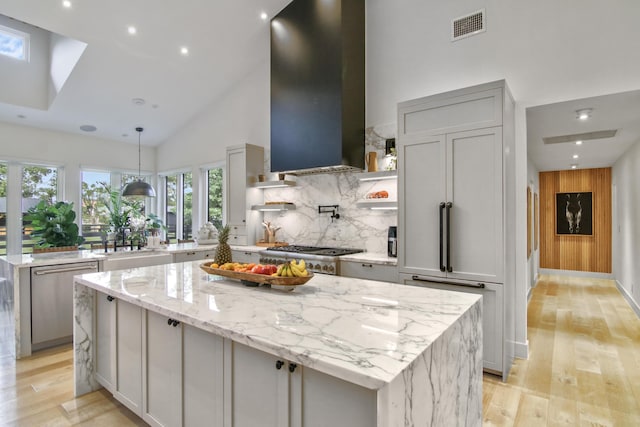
133,259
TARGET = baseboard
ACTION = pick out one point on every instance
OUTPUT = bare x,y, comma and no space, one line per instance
629,298
574,273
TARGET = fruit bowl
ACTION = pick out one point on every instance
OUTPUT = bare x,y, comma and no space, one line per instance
257,278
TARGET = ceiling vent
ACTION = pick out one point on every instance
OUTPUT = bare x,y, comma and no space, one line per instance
469,25
600,134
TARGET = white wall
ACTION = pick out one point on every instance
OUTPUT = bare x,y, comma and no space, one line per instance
31,145
533,263
626,222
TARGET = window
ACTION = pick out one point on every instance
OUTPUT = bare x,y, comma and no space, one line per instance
3,209
38,183
14,43
94,197
214,196
171,197
179,203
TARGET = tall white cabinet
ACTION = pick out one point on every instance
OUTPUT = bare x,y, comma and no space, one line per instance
244,164
452,199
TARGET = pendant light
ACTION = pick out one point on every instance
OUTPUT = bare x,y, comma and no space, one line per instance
139,187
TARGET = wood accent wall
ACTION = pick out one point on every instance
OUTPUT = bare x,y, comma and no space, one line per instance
580,253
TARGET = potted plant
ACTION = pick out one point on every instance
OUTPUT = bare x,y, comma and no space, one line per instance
54,225
154,224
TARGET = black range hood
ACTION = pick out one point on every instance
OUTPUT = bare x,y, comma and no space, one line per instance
318,87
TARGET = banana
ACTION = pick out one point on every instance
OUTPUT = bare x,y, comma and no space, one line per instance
289,271
298,270
302,265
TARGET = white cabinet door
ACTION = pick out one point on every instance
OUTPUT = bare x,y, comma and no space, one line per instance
492,316
236,184
367,270
259,389
129,356
245,256
105,340
202,381
421,170
163,371
329,401
188,256
474,189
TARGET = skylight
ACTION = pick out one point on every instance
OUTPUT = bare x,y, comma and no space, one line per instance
14,43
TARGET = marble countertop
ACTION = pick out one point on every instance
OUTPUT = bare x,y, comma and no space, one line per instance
68,257
363,331
373,258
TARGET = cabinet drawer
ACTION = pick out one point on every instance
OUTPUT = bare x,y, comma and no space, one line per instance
189,256
367,270
238,240
238,230
245,256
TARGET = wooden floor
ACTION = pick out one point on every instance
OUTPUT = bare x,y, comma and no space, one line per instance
584,362
583,370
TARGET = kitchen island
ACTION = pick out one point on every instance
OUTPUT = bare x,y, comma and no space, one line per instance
16,278
177,345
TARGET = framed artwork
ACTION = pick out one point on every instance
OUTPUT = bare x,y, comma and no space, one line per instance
536,221
528,222
574,214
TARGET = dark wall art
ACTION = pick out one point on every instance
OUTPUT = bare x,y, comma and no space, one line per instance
574,214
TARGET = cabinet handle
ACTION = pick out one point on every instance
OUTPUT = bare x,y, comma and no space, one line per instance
169,322
175,323
368,265
292,367
279,364
191,253
449,206
110,298
442,267
248,253
444,282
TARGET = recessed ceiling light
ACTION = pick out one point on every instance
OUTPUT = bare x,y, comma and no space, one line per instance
22,116
264,16
575,156
574,166
578,142
132,30
88,128
184,50
138,101
584,114
66,3
124,135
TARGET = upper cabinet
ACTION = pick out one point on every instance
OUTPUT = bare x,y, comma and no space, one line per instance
244,164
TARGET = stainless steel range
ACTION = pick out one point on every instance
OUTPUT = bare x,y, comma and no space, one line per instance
318,259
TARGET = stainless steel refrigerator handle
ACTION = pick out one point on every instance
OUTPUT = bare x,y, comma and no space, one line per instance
444,282
65,270
449,267
442,267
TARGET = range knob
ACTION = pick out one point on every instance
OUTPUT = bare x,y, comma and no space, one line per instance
331,268
309,266
325,268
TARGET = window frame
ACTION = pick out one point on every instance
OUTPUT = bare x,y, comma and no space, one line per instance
26,43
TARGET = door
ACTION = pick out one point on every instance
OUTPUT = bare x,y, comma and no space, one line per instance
163,371
421,174
260,395
129,356
105,344
236,187
474,189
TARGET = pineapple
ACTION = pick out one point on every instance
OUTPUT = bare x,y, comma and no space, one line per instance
223,251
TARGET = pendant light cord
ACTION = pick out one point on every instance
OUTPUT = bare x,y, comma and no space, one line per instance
139,130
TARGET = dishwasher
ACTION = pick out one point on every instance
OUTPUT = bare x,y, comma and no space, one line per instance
52,302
